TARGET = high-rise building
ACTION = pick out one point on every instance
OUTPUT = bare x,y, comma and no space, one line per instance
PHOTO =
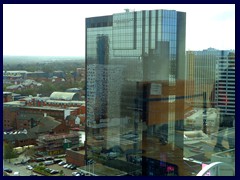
225,83
202,71
135,91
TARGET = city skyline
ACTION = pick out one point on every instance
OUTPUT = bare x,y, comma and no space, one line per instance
60,30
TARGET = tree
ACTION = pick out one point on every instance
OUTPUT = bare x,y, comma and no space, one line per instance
8,151
29,152
61,173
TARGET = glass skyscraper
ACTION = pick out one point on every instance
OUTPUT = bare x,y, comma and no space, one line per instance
135,89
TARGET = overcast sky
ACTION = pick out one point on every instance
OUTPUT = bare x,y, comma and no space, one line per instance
59,30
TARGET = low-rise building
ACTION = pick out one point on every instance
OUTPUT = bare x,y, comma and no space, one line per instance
20,138
76,156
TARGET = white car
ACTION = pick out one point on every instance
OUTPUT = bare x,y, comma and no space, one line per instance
69,166
29,167
62,163
74,173
16,174
65,166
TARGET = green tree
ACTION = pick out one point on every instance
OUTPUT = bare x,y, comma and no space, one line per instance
29,152
61,173
8,151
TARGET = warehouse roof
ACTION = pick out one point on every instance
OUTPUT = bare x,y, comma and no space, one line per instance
18,135
45,125
67,96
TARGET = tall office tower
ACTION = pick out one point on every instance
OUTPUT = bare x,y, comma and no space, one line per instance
135,65
190,77
225,83
202,70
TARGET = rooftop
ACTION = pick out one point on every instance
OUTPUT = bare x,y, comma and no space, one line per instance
67,96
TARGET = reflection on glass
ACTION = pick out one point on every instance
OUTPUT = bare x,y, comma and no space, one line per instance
148,108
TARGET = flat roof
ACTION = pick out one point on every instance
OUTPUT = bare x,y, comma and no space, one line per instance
102,170
18,103
50,108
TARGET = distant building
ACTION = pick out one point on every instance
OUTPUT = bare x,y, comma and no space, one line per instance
14,77
24,85
202,69
53,144
49,125
225,84
20,138
81,72
67,96
59,74
10,114
7,97
25,113
52,135
38,75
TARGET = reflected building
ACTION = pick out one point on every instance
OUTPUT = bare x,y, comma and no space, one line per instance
225,83
202,71
135,91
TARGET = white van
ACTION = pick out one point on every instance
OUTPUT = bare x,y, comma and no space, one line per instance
16,174
48,162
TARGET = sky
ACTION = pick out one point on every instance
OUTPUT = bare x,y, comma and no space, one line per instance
59,29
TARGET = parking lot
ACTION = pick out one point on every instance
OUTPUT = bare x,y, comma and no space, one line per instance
24,169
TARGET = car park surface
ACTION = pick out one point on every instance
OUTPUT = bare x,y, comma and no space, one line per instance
25,170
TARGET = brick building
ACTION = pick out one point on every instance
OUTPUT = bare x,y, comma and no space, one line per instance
76,156
7,96
10,114
20,138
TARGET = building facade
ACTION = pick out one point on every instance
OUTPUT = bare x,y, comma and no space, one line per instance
202,70
225,84
135,61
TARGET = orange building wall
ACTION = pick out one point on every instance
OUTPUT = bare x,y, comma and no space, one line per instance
158,111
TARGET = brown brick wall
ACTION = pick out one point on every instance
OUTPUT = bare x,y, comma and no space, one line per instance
75,157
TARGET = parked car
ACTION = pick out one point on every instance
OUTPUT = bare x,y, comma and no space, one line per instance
48,170
40,159
54,171
61,156
74,173
77,174
49,158
16,174
57,161
62,163
73,167
7,170
69,166
65,166
29,167
48,162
